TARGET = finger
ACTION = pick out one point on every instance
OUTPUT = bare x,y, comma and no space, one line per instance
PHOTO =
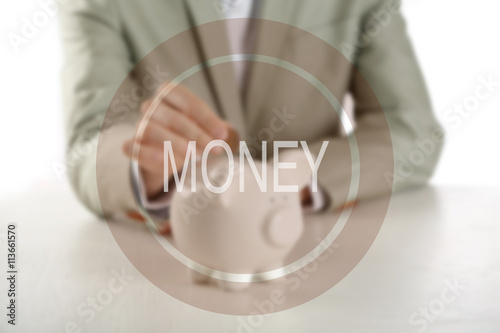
185,101
180,124
306,197
149,152
233,140
155,135
149,158
146,105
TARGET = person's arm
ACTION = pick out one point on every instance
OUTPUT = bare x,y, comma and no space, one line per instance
388,162
97,61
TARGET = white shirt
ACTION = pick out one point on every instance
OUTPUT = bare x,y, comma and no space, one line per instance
237,31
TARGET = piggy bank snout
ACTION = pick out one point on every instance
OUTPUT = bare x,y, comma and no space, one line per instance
284,227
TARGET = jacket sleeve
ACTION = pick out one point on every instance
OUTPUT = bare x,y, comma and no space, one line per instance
398,138
96,63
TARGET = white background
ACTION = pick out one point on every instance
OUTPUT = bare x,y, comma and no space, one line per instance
456,42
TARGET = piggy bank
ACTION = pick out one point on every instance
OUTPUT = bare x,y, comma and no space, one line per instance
249,231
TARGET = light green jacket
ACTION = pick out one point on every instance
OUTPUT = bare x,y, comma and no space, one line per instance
105,39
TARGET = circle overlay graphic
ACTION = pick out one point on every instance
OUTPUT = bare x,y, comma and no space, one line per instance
315,76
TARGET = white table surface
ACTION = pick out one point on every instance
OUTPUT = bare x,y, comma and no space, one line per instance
430,235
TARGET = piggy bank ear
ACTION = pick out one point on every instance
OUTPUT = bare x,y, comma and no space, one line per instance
284,227
301,175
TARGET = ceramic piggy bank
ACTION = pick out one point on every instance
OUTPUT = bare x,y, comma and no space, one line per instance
235,231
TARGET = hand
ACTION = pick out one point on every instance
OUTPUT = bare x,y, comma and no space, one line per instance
179,117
